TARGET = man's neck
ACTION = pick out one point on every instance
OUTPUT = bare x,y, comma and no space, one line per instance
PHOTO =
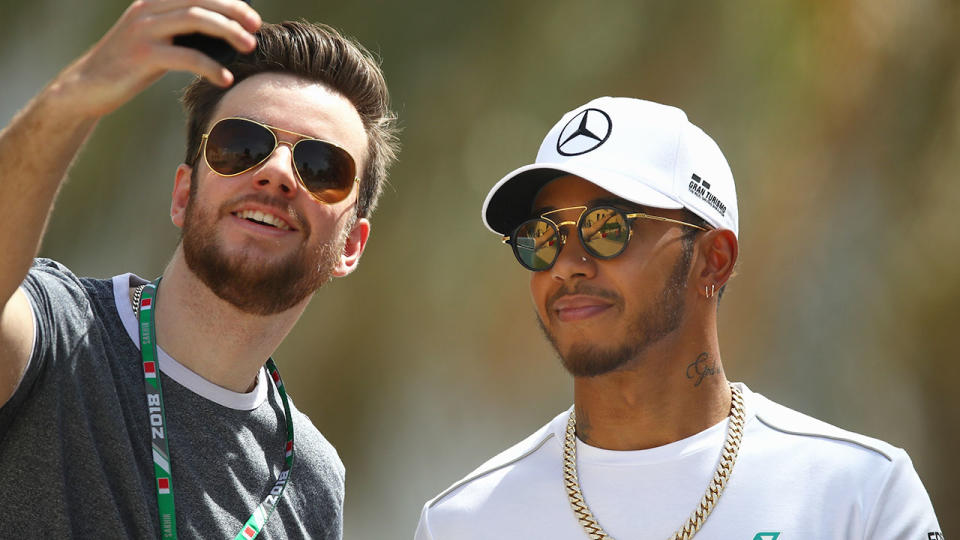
212,337
675,389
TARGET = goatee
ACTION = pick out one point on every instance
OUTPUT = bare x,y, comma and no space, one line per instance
246,281
647,328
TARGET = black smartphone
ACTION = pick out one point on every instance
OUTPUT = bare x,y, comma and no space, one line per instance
215,48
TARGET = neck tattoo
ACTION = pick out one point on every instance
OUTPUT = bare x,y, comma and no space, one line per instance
727,459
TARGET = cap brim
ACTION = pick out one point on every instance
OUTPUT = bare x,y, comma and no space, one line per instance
510,201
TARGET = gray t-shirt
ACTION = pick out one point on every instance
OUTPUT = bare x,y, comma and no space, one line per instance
75,453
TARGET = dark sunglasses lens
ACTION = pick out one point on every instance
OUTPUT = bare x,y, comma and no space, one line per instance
326,170
536,244
235,145
604,232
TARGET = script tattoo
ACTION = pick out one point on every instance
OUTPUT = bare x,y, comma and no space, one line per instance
698,369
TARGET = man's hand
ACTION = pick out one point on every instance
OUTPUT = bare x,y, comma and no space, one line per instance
36,149
139,49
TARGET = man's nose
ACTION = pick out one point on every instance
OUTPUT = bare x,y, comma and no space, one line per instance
278,171
573,260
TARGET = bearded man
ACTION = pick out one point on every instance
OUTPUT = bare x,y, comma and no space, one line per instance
628,223
136,409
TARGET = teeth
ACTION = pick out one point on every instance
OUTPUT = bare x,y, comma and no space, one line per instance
260,217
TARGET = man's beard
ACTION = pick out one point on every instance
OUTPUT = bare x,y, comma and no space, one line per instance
649,327
249,283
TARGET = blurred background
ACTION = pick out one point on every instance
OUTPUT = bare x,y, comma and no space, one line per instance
840,120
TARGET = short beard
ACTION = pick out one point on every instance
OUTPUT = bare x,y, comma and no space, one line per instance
649,327
247,283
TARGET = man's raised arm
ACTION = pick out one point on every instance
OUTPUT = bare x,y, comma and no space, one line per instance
40,143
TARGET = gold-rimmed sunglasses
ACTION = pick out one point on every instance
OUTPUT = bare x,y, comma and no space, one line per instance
235,145
603,230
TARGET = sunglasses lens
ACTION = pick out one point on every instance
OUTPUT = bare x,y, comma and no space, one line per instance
536,244
326,170
604,232
235,145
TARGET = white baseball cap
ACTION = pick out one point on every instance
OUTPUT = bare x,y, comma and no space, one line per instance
641,151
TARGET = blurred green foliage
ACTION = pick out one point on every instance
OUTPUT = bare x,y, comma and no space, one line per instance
840,121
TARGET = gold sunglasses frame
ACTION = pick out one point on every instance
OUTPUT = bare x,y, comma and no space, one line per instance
631,216
201,150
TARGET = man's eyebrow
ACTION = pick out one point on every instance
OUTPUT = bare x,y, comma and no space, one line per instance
254,118
538,211
616,202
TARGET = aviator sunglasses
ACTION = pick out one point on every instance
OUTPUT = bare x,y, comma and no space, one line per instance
603,230
233,146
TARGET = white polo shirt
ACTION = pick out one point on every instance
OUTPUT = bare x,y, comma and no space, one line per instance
795,478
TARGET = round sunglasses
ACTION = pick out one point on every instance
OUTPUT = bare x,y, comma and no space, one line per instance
603,230
233,146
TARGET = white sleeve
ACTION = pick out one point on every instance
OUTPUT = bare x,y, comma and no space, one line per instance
423,528
903,508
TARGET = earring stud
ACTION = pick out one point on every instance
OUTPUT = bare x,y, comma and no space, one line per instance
584,259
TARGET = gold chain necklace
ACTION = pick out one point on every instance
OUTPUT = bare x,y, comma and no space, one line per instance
727,459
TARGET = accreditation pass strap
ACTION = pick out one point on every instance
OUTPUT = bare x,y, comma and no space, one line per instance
158,430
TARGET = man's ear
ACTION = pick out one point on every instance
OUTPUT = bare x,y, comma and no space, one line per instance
720,250
181,194
353,248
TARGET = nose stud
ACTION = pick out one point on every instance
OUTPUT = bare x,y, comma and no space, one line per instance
584,259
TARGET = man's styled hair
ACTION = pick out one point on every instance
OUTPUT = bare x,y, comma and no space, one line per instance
315,52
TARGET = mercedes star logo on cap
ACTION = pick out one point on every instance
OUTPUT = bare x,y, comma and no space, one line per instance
587,130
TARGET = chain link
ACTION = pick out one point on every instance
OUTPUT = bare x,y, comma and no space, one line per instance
137,293
728,458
